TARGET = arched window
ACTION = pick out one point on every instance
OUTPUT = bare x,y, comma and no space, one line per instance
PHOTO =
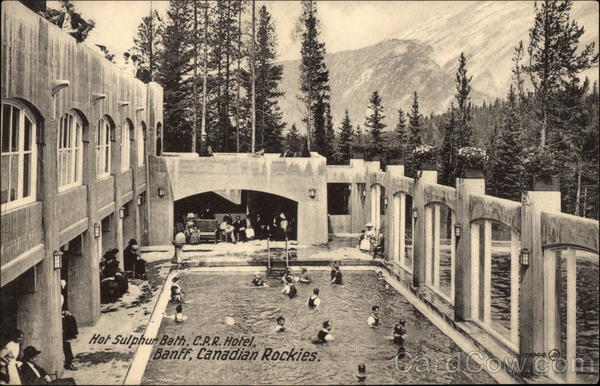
19,156
141,145
70,149
126,138
103,154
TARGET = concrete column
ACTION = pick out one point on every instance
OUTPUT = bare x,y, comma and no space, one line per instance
358,201
419,231
39,313
392,221
465,187
532,318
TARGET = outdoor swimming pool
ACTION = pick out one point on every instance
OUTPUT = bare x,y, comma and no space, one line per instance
214,296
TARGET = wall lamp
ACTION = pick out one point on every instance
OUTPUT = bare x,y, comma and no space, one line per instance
57,259
140,200
312,193
122,212
385,201
161,192
97,230
364,192
415,213
457,230
524,257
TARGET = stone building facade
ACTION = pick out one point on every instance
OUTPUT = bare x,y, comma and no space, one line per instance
77,132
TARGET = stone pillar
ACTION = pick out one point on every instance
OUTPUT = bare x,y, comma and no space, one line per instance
39,313
426,177
161,224
532,320
465,187
357,200
392,226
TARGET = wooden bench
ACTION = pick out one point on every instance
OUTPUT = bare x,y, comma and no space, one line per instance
207,230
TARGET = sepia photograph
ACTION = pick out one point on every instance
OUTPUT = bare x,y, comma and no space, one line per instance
243,192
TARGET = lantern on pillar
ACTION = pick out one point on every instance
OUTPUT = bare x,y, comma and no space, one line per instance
161,192
312,193
57,255
97,230
415,213
524,257
457,230
122,211
139,200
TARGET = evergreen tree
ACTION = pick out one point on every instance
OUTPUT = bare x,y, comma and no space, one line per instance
415,125
345,140
359,143
463,104
330,137
268,76
174,65
554,59
374,121
293,140
147,43
449,149
314,77
509,170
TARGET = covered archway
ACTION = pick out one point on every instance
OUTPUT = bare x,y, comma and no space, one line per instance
261,208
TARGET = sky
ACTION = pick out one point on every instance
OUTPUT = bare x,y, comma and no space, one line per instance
345,25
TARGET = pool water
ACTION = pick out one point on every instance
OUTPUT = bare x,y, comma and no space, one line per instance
211,297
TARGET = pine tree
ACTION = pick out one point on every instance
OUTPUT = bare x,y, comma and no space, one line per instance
330,137
268,76
293,140
554,59
415,125
463,104
314,76
345,140
147,43
359,143
509,170
449,149
399,143
174,65
374,121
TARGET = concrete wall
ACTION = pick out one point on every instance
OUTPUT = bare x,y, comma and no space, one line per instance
36,57
287,177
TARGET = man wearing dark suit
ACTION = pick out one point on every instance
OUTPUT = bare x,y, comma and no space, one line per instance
31,373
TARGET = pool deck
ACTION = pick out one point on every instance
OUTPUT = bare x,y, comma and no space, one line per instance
140,310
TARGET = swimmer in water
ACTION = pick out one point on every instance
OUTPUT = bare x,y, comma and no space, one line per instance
304,276
400,332
336,275
258,281
287,274
362,372
176,291
314,300
289,288
373,319
280,327
178,317
380,275
323,336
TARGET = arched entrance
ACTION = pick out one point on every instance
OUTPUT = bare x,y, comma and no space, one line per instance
261,208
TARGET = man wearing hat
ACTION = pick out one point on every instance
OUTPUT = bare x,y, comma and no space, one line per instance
132,260
31,373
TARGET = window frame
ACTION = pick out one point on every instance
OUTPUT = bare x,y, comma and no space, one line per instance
73,141
24,113
103,148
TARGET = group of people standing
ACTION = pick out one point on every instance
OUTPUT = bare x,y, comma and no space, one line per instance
371,241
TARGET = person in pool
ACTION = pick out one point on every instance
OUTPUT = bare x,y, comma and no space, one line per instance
179,318
289,288
314,300
287,274
304,276
373,319
280,327
258,280
323,336
336,275
362,372
176,291
400,332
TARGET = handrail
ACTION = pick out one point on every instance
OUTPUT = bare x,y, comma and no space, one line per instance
268,252
287,261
